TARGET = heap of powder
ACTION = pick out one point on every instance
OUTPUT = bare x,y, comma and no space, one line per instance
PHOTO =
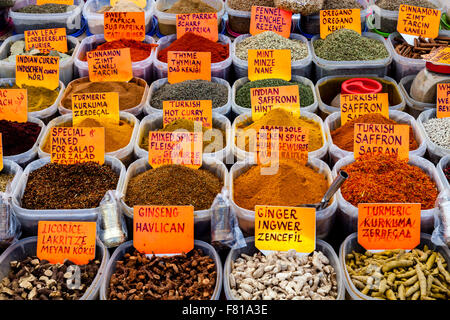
246,5
343,136
173,185
341,4
138,50
292,185
190,6
121,6
46,8
394,5
18,137
39,98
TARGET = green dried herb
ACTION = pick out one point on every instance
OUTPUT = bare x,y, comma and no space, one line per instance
394,5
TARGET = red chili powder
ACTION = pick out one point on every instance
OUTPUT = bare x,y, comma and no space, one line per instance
139,50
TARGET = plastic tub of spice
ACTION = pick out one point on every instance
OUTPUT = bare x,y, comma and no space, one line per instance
29,218
218,90
190,181
10,174
221,150
437,134
300,66
95,19
191,42
316,180
250,250
417,146
239,20
8,68
351,246
127,248
167,21
71,20
305,94
119,138
443,168
27,247
141,68
393,178
413,107
132,94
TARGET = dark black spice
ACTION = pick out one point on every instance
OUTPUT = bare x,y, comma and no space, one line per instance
18,137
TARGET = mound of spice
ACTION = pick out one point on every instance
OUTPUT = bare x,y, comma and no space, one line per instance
173,185
343,136
421,46
18,48
189,276
35,279
292,185
18,137
246,5
271,40
39,98
385,179
46,8
190,6
341,4
121,6
243,98
5,178
74,186
191,90
438,130
192,42
280,117
138,50
349,45
394,5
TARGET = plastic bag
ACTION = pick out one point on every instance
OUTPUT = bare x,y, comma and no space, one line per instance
111,226
441,232
10,230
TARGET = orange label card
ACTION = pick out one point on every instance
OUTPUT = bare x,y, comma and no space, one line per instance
124,25
389,139
438,56
185,65
100,106
139,3
109,65
46,40
73,240
202,24
71,145
269,64
333,20
194,110
389,226
37,71
270,19
14,105
183,148
163,229
443,100
356,105
265,99
285,228
418,21
41,2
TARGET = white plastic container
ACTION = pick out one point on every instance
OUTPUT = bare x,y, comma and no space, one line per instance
27,247
33,21
434,151
127,247
444,163
246,119
333,121
250,249
351,244
8,69
219,69
202,218
301,67
379,67
413,107
167,21
154,122
149,109
238,20
324,218
124,154
348,213
237,109
141,69
96,22
29,218
10,167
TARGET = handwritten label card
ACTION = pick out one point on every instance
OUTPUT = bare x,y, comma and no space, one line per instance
46,40
37,71
139,3
386,226
265,99
333,20
186,65
99,106
269,64
389,139
109,65
73,240
163,229
418,21
202,24
124,25
356,105
71,145
194,110
41,2
270,19
14,105
285,228
443,100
